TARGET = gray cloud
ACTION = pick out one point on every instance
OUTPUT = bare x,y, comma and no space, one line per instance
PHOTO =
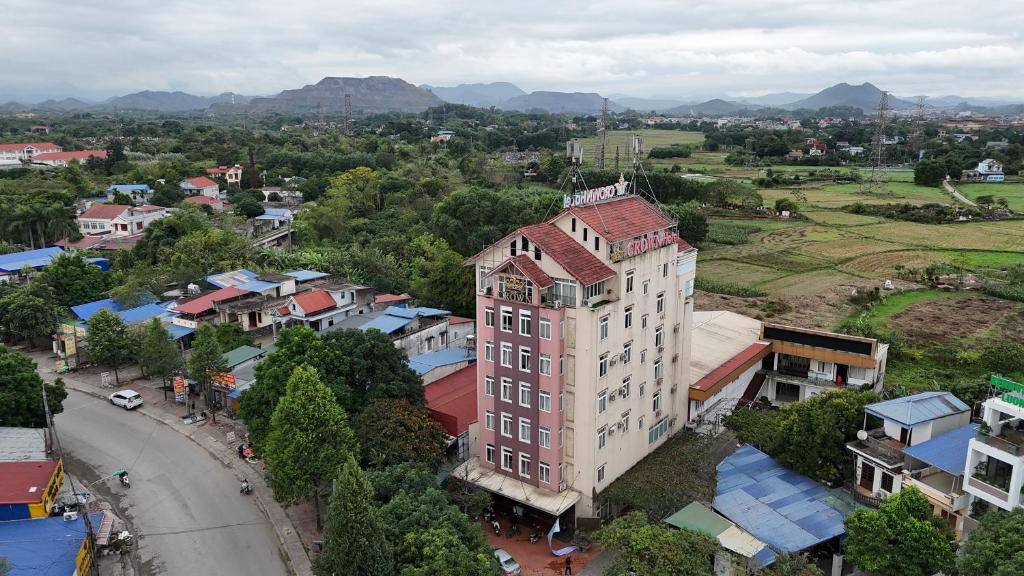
658,48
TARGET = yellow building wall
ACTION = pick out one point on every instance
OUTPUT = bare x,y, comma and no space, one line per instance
42,508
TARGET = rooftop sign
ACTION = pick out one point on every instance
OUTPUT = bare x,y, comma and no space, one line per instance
623,250
1014,391
595,195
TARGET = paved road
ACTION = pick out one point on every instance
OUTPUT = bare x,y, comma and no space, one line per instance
183,505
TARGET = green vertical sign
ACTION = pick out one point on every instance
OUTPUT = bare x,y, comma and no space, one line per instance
1014,392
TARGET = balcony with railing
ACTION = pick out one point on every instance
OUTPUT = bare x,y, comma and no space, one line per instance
878,446
938,485
1008,437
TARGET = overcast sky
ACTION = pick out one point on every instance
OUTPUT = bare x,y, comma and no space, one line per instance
651,48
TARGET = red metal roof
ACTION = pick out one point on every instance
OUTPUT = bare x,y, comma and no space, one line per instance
452,320
25,481
683,245
23,145
203,200
746,358
452,400
104,211
200,182
76,155
622,219
205,302
577,260
149,208
387,298
314,301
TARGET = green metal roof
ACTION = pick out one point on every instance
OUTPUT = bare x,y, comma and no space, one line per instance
697,517
242,354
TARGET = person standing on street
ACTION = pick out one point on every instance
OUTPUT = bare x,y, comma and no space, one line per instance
568,565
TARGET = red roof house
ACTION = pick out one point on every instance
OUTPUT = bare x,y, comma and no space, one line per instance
313,302
215,203
200,185
452,400
63,158
204,303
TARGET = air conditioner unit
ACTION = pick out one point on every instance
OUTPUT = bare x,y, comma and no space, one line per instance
70,516
585,301
611,431
671,421
675,357
657,413
675,329
623,392
613,360
673,389
622,357
659,381
557,304
612,396
661,349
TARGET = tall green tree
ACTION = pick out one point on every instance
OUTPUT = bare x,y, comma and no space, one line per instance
438,277
309,440
74,280
352,542
393,431
693,224
901,538
996,546
230,336
21,401
206,360
654,550
28,313
929,172
158,353
109,340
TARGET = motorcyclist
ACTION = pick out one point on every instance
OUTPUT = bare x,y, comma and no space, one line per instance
246,488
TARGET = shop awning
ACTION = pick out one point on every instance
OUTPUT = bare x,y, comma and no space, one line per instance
554,503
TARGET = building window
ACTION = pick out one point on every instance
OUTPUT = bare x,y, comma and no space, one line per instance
489,351
602,401
488,316
524,359
506,320
597,243
506,425
627,352
524,430
430,343
512,248
525,243
600,473
647,287
544,437
640,423
584,233
524,465
489,420
489,453
561,329
561,402
602,437
506,459
561,363
545,329
625,421
643,322
628,317
887,482
656,404
524,394
657,431
659,336
660,303
561,436
573,224
506,389
544,401
544,472
536,253
544,365
524,323
624,391
506,355
643,356
602,328
659,369
602,365
629,281
664,270
489,385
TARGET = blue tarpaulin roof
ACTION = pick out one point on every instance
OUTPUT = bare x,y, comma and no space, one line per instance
274,214
43,546
424,363
88,310
233,278
32,258
258,285
142,313
917,409
306,275
947,452
128,188
179,332
386,324
101,263
778,506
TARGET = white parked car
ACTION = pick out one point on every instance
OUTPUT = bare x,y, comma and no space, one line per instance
126,399
509,566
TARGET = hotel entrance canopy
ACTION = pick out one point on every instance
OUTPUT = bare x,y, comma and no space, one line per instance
554,503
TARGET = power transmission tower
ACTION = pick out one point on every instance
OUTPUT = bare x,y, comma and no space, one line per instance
602,135
748,152
919,122
347,122
875,182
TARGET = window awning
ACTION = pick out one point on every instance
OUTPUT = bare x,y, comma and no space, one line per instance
554,503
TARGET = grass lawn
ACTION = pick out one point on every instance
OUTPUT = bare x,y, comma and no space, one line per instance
898,193
1006,235
893,304
652,139
1012,191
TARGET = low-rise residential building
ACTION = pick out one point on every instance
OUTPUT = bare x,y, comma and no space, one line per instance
17,444
452,403
936,468
139,193
25,151
200,186
271,219
414,330
988,170
13,265
436,365
284,195
231,174
382,302
995,460
61,159
907,421
47,546
29,488
322,308
69,341
118,219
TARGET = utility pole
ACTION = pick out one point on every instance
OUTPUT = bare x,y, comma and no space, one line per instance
875,182
602,135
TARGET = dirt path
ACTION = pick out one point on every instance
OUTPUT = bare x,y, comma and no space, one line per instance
956,194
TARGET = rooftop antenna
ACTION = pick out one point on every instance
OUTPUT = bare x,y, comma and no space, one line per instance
347,122
602,135
875,182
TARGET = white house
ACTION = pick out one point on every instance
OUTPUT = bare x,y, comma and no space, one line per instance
116,220
230,174
321,309
16,153
60,159
139,193
990,170
995,460
200,186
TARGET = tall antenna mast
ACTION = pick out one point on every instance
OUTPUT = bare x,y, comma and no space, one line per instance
875,182
348,115
602,135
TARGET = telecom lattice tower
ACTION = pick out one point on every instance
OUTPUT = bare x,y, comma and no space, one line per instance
602,135
748,152
347,122
875,182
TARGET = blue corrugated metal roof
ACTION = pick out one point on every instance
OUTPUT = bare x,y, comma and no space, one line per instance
43,546
917,409
386,323
424,363
258,285
128,188
142,313
947,452
88,310
179,332
233,278
101,263
414,312
274,214
306,275
778,506
32,258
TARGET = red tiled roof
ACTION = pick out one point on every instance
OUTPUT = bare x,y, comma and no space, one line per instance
683,245
746,358
452,320
84,244
23,145
622,219
222,169
76,155
205,302
577,260
527,266
200,182
314,301
203,200
452,400
25,481
104,211
387,298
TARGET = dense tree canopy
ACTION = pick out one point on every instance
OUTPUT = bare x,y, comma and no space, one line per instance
21,402
655,550
74,280
352,543
394,431
110,341
996,546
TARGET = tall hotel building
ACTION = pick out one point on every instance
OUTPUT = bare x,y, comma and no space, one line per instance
583,350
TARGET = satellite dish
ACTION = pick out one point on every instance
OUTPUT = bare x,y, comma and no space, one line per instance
862,435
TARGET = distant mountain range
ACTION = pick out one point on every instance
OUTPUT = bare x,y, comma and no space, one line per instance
480,95
373,94
866,97
714,107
